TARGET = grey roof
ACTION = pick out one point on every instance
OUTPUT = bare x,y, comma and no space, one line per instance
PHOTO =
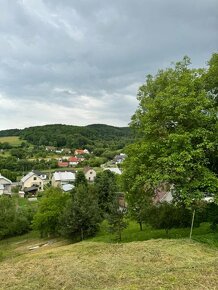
38,172
6,179
67,187
64,176
27,176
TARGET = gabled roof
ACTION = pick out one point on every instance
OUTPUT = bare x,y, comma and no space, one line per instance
64,176
6,179
73,159
29,175
63,164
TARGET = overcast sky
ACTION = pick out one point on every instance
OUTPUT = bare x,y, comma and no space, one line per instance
81,62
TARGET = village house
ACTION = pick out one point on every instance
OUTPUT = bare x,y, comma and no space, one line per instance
42,175
62,178
5,185
32,183
90,173
81,152
63,164
73,161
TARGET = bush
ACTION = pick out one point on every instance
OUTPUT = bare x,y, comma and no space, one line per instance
167,216
15,219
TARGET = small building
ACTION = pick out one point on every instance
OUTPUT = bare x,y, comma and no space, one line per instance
5,185
61,178
73,161
67,187
31,182
90,173
81,152
63,164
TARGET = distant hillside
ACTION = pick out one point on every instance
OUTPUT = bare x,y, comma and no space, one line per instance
10,132
74,136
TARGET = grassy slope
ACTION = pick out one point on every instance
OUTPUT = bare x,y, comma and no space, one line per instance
153,264
12,140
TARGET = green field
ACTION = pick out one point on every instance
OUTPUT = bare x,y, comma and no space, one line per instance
12,140
147,259
153,264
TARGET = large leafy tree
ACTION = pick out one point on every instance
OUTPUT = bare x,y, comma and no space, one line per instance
176,124
81,216
51,206
106,188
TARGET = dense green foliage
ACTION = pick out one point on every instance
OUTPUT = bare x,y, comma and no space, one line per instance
176,122
81,216
10,132
15,218
106,188
117,218
19,166
80,179
91,136
51,206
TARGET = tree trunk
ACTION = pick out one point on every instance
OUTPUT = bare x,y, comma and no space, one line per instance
193,218
81,234
140,225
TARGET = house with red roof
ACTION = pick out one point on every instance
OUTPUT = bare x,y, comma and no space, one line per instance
63,164
73,161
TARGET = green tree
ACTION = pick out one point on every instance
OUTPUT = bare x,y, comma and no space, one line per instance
176,122
167,216
211,77
80,179
116,217
81,217
50,208
15,218
106,188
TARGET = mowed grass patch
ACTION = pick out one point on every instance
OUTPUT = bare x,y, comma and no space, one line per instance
153,264
12,140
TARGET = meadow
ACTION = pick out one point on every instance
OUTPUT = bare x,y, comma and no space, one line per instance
158,262
12,140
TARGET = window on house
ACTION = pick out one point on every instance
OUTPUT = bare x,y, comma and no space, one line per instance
34,178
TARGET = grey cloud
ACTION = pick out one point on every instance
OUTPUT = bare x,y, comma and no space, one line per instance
99,49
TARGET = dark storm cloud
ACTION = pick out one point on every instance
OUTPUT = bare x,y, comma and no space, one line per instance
81,62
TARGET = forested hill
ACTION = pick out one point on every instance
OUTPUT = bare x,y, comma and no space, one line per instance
73,136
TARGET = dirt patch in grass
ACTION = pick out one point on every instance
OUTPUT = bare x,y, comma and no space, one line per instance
154,264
